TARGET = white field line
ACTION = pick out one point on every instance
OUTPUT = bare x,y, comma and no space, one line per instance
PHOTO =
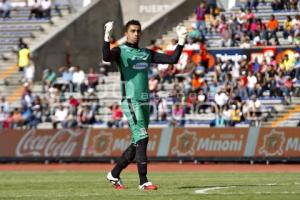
269,184
206,190
256,193
251,193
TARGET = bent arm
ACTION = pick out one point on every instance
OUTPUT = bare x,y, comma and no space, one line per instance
110,55
162,58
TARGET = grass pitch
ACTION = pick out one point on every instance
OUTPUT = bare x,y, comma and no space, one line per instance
172,186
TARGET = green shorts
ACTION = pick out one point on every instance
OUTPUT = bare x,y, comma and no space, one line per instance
137,114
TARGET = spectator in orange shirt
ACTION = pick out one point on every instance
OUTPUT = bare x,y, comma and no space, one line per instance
273,26
196,82
17,119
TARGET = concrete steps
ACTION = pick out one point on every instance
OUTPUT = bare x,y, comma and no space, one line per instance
36,31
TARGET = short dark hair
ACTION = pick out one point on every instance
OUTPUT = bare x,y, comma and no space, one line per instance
132,22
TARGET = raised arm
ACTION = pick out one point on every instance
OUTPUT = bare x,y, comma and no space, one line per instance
172,59
165,58
108,54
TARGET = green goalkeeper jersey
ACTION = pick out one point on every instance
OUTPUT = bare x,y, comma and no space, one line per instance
134,65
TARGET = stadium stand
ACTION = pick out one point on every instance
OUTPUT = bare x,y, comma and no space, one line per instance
183,95
32,31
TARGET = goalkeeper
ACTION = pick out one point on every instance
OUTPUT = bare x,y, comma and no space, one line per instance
133,63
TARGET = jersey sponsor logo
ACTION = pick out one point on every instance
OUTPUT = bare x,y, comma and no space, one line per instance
140,66
140,56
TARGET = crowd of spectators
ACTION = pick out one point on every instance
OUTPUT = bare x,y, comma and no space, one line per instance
57,104
231,90
237,85
243,28
39,9
278,5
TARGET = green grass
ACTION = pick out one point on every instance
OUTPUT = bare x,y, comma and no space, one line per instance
179,186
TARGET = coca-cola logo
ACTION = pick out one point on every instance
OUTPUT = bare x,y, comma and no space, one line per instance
61,143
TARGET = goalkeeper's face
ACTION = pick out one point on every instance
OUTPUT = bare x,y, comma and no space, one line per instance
133,34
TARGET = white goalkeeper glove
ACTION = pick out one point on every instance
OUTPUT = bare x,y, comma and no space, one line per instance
182,34
108,30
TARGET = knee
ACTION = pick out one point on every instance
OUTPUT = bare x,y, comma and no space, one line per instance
141,151
141,158
130,154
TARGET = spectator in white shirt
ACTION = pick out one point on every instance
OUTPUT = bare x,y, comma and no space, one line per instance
241,16
46,8
296,21
78,80
4,104
226,113
297,68
60,116
236,70
27,98
254,109
5,9
256,39
29,72
221,98
245,44
254,104
3,116
252,80
35,9
162,109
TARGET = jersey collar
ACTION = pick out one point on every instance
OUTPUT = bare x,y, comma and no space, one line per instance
136,46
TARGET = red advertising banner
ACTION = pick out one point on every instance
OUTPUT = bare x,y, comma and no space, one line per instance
113,142
37,143
207,142
278,142
177,142
71,143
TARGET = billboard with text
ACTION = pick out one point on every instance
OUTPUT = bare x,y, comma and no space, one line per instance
165,142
